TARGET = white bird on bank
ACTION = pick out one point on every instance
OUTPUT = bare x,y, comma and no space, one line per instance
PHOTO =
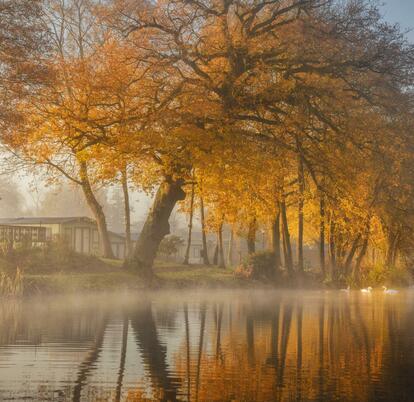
348,289
389,291
367,290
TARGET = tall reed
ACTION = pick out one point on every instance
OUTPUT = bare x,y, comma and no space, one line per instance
11,287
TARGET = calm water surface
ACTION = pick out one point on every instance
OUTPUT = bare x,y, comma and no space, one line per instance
216,346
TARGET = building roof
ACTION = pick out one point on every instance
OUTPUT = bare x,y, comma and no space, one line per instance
44,220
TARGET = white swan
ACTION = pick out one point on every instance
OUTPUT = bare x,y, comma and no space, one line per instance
367,290
389,291
348,289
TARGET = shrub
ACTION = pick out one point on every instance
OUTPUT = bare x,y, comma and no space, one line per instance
259,265
170,245
380,274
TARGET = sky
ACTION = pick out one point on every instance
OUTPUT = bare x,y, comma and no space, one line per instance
401,11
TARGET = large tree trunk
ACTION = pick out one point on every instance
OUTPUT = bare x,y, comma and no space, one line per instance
128,240
190,227
203,232
301,181
276,241
97,211
156,226
322,235
251,237
286,239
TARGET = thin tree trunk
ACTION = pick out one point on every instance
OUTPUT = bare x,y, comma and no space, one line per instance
286,238
190,226
392,246
251,237
276,241
222,263
351,254
203,232
322,235
97,211
361,255
301,181
216,251
363,251
332,248
395,249
231,248
128,240
156,226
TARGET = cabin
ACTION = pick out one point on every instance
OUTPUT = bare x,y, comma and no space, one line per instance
80,233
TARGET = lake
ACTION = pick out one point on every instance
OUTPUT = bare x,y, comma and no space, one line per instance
209,346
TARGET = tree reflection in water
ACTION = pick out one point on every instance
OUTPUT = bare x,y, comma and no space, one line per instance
275,348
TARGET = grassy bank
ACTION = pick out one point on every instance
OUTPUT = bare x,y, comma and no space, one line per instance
58,270
114,278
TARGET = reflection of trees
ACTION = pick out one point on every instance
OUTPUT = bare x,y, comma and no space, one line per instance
253,352
332,341
203,312
89,363
123,358
299,324
188,351
284,341
10,319
153,352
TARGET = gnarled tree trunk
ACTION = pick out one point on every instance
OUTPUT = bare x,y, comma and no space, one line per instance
156,226
97,211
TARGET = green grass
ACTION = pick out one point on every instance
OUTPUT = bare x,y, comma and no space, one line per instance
177,275
114,278
66,282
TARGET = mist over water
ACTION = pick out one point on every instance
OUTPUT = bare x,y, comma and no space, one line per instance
215,346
